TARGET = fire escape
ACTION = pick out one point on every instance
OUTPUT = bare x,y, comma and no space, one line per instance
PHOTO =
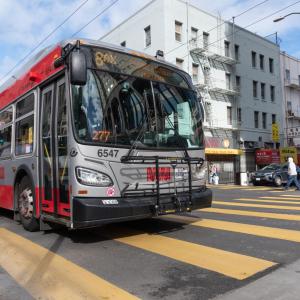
211,88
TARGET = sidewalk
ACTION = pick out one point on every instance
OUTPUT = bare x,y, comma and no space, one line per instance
282,284
10,290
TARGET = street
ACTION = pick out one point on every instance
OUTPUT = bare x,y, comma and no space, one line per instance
245,247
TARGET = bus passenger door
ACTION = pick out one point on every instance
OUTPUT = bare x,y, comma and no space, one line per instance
54,159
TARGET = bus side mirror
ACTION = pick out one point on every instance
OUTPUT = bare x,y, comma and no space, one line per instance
78,68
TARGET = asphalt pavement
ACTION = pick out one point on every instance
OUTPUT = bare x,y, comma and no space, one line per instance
247,246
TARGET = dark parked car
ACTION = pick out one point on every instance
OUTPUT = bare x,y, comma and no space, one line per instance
276,174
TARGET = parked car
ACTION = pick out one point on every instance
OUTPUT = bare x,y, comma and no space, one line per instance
276,174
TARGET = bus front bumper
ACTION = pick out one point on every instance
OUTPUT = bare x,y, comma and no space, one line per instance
92,212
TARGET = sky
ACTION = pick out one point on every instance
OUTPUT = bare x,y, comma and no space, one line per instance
25,23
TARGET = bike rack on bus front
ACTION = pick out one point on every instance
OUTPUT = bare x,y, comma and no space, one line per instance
158,161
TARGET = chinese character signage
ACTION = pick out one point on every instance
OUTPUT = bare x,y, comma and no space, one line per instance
275,132
288,152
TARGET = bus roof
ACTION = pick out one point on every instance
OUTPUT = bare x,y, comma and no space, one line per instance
41,66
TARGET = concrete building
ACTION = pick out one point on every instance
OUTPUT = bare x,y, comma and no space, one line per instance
290,78
235,71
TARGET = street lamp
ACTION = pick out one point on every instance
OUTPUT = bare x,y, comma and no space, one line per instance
281,18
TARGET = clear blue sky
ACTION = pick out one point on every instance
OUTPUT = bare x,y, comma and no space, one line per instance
25,23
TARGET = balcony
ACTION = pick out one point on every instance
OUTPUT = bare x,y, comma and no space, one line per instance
218,86
292,83
293,114
210,123
213,52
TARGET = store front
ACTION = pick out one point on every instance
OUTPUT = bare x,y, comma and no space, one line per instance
226,162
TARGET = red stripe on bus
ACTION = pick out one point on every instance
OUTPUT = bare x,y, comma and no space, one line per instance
6,196
39,72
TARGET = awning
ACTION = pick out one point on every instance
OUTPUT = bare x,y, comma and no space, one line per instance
223,151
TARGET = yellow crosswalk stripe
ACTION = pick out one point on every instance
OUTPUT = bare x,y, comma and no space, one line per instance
258,214
258,205
262,231
281,197
231,264
271,200
46,275
292,196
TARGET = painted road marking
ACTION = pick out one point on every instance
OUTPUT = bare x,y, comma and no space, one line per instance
258,205
251,213
262,231
272,200
46,275
292,196
228,263
281,198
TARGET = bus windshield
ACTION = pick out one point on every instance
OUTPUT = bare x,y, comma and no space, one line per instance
124,110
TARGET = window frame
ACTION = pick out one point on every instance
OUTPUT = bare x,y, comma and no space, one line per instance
256,120
271,65
253,59
16,120
178,33
7,125
147,32
254,89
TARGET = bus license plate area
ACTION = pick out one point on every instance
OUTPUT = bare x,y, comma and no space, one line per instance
181,173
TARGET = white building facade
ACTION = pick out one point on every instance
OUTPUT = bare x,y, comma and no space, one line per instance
235,71
290,78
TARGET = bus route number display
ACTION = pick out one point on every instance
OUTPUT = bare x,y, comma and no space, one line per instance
105,58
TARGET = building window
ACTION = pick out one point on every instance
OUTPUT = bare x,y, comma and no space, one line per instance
238,83
123,44
178,31
227,48
147,36
261,62
194,32
264,120
254,89
239,114
271,65
287,75
195,73
298,79
236,52
179,63
205,40
229,115
256,119
272,93
208,112
253,54
273,119
228,81
262,90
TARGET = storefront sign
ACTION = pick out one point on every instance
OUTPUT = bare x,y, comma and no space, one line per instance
223,151
267,156
288,152
216,142
275,132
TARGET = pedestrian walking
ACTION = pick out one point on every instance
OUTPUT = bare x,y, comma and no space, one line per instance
292,174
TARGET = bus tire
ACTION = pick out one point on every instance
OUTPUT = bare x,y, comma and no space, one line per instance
26,202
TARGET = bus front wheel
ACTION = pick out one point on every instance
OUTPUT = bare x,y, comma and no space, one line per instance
26,200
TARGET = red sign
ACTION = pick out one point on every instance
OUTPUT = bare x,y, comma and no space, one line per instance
267,156
164,174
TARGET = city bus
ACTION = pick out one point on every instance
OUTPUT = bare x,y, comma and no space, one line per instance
92,133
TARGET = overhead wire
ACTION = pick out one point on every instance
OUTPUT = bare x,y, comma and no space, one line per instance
44,39
94,18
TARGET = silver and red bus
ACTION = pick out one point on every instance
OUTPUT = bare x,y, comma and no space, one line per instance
92,133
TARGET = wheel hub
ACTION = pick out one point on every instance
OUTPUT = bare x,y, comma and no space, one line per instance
26,203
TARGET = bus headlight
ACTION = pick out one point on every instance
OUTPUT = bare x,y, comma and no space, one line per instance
93,178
